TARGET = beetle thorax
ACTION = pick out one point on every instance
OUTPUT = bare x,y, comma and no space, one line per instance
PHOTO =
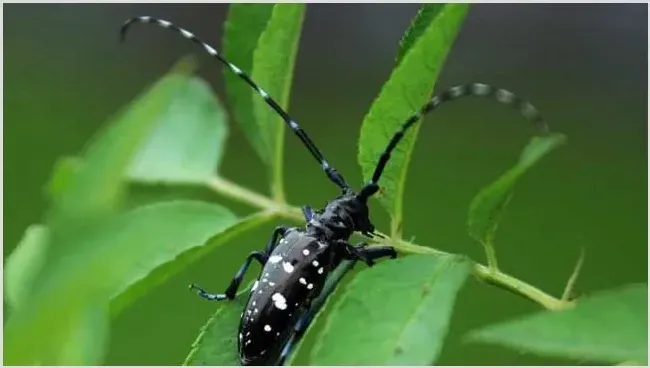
341,217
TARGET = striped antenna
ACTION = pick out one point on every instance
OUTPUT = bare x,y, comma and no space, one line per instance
332,173
503,96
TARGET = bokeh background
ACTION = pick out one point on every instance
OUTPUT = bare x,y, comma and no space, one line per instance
584,67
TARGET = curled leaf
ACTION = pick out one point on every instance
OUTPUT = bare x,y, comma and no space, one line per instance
487,207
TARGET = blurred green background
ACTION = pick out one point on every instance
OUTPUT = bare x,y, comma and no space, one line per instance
583,66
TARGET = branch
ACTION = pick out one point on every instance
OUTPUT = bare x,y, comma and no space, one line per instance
484,273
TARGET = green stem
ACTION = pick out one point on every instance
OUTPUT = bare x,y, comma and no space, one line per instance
491,256
490,275
566,295
252,198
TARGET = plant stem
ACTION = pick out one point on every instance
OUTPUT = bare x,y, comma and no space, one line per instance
490,275
566,295
252,198
491,256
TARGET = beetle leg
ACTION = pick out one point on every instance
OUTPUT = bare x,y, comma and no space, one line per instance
234,284
308,212
278,232
261,257
368,255
204,294
298,331
373,253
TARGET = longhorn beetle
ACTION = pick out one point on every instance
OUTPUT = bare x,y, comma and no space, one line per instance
296,261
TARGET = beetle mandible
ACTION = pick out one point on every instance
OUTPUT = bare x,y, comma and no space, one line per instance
296,261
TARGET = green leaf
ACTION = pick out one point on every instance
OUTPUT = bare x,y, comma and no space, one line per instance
24,263
87,338
486,208
407,90
64,170
57,331
159,233
242,31
108,258
96,185
263,39
426,14
610,326
273,64
185,258
188,141
216,344
404,307
64,321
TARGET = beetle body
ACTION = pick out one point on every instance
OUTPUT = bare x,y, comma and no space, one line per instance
293,276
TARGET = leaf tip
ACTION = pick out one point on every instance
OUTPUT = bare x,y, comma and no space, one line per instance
186,65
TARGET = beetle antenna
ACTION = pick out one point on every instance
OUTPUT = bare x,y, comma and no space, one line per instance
331,172
472,89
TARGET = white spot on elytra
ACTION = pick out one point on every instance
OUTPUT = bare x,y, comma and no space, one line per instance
255,286
315,263
187,34
265,280
310,286
320,270
279,301
164,23
302,281
256,310
248,333
254,302
288,267
249,311
305,252
275,259
267,328
266,274
272,283
241,336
